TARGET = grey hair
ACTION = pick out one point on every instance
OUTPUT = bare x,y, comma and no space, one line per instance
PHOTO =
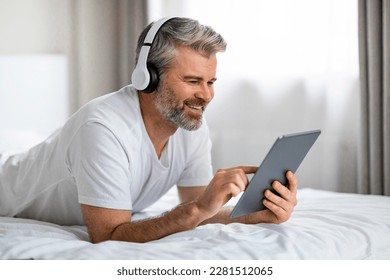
180,32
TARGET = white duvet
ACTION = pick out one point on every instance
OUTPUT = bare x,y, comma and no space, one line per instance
325,225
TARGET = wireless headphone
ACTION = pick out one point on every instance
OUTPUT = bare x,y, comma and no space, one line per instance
145,76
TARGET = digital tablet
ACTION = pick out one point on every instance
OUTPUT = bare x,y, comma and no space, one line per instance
286,154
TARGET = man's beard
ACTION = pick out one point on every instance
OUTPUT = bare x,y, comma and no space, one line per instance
174,110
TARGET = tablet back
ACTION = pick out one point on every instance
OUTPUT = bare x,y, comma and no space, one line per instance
287,153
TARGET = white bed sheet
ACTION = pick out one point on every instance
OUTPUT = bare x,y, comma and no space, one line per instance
325,225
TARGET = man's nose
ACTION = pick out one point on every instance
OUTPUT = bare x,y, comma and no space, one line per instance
206,92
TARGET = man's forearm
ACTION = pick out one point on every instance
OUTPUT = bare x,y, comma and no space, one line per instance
184,217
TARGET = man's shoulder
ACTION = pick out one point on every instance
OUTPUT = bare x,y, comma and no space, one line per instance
119,103
117,112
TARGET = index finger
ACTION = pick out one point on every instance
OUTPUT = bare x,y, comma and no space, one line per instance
247,169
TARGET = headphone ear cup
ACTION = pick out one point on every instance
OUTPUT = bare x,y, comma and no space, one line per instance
154,79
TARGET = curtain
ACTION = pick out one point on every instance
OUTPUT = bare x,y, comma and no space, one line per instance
374,59
102,38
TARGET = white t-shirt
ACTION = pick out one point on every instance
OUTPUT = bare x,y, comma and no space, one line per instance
103,157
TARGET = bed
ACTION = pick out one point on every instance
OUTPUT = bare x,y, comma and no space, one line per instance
325,225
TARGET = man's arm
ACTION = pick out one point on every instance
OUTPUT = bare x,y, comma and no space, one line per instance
108,224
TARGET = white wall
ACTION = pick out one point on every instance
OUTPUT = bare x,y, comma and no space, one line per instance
33,70
90,42
33,26
245,119
33,97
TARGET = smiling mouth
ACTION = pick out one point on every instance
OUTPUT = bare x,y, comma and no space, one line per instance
198,108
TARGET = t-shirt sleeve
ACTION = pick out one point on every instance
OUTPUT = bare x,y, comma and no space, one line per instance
198,170
99,165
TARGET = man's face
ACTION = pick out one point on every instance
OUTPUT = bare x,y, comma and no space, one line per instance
187,88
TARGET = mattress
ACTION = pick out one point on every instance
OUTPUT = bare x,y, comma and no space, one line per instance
325,225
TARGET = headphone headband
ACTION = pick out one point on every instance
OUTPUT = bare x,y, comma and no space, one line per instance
143,78
154,29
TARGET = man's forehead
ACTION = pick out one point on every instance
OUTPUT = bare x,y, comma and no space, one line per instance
190,59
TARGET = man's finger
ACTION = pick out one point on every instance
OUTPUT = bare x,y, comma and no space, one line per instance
246,169
292,181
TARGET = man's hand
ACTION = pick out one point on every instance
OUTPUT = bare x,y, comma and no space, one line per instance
230,182
226,184
279,208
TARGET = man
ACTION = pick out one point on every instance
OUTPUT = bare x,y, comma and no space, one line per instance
121,152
